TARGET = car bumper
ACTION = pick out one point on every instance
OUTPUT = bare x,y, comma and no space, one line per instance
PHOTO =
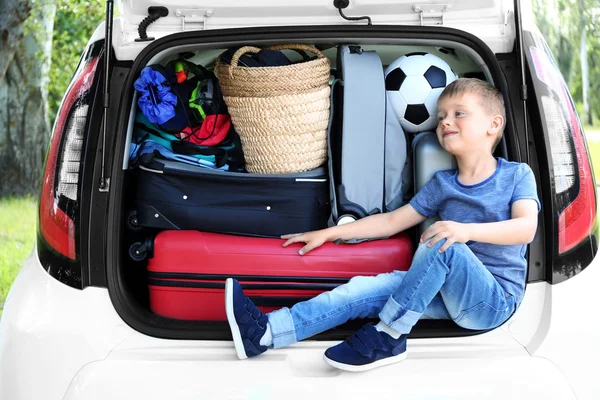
49,331
471,368
61,343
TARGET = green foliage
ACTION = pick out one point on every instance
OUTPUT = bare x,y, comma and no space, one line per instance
74,24
17,234
561,22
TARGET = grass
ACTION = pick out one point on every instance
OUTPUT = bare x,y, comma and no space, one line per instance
17,234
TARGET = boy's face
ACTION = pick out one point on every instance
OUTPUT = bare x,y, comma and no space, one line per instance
465,126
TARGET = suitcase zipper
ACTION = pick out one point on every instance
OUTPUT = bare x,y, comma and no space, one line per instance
249,286
182,276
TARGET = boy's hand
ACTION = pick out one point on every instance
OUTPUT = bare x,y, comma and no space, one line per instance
453,232
312,239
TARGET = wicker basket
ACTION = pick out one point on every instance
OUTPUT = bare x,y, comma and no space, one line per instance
281,113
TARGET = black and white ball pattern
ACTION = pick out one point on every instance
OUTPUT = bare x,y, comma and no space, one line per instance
413,84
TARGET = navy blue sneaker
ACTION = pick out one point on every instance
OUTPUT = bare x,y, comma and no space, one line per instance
367,348
248,324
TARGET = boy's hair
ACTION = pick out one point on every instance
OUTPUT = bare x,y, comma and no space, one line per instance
491,98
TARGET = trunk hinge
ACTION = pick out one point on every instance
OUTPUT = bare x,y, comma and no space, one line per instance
195,16
104,183
431,14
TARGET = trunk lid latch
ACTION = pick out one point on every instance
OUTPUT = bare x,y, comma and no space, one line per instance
431,14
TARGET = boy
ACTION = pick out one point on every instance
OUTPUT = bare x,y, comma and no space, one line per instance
469,267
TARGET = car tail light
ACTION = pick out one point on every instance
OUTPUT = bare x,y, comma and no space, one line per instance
574,186
576,221
59,198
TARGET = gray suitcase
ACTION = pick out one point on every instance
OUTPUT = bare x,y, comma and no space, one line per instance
429,157
367,146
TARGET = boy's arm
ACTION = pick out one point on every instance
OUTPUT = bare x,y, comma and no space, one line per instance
520,229
374,226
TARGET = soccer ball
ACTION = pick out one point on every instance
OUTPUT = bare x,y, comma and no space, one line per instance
413,84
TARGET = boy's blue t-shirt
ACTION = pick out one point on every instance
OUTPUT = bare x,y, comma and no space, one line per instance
487,201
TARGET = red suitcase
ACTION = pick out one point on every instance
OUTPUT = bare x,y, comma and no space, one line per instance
187,271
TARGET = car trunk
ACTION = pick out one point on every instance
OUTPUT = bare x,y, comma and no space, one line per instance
128,280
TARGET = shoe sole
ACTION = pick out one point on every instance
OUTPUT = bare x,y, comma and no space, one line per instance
366,367
235,330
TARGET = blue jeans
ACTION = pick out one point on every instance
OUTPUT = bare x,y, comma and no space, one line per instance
450,285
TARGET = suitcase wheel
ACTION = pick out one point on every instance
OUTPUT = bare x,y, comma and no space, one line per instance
138,251
133,222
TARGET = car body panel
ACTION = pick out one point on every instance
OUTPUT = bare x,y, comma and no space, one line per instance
196,15
73,341
569,330
489,366
49,330
490,20
57,342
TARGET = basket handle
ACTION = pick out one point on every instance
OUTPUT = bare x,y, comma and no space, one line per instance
240,52
251,49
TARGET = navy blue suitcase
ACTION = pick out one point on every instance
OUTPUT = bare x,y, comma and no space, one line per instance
174,195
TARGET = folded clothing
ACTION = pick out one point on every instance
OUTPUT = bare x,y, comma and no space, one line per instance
149,141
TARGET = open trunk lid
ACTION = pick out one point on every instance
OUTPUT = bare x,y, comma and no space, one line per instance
490,20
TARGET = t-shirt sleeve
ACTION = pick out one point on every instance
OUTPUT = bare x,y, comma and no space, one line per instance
426,201
525,187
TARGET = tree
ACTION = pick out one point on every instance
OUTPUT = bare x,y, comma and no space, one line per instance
41,42
571,29
583,56
74,24
26,38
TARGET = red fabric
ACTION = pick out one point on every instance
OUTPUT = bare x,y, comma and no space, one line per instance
181,76
208,134
194,252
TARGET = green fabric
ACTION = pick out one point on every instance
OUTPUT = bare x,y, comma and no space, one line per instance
193,98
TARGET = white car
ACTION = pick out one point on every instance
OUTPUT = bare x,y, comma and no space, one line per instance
77,325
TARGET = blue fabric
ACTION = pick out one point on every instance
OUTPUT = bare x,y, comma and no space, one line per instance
488,201
271,58
156,100
471,296
450,285
150,146
249,321
145,142
366,346
477,285
264,58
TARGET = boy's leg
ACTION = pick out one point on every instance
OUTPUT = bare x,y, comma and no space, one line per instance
361,297
470,295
